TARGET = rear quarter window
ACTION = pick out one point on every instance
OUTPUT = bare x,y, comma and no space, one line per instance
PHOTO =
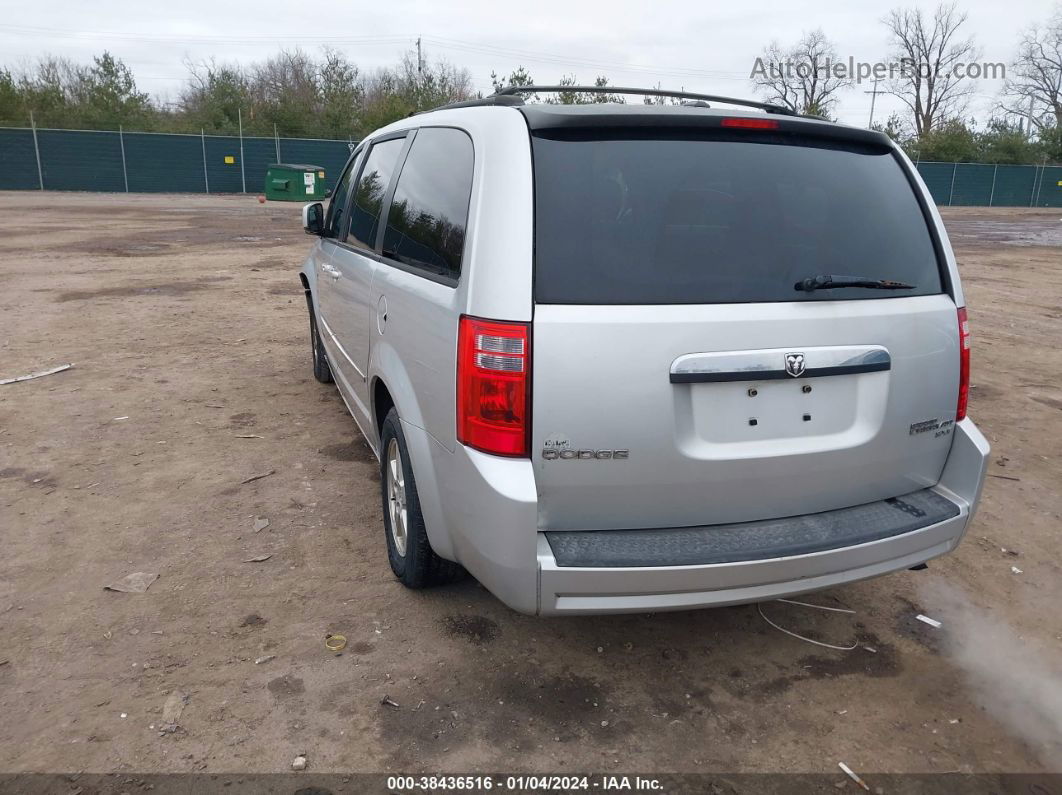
429,212
681,221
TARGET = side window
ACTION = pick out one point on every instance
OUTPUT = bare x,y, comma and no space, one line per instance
337,208
372,187
429,212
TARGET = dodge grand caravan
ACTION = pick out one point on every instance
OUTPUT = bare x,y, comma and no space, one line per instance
640,357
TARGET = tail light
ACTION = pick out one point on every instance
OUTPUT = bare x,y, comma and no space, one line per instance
493,381
964,365
748,123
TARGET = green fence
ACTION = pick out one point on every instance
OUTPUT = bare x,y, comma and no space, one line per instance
154,162
987,185
169,163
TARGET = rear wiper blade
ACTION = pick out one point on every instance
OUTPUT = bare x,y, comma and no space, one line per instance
823,282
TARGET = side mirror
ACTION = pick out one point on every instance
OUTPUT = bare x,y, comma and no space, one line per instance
313,215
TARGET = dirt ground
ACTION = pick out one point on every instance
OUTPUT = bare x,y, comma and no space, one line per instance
185,322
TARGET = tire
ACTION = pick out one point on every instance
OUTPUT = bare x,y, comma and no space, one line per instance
322,371
412,559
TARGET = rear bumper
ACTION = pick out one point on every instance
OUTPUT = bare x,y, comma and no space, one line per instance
618,590
491,537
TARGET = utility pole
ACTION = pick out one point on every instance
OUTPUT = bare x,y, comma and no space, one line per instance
420,60
873,98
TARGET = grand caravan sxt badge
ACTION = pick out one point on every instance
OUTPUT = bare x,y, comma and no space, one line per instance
570,454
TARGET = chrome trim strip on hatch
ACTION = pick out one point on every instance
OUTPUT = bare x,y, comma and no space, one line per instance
771,364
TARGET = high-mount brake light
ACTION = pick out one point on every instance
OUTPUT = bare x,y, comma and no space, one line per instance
493,382
750,124
964,365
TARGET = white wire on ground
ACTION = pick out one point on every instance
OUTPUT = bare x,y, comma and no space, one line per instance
759,608
817,607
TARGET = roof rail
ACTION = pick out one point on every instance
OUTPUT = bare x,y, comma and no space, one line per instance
509,91
492,99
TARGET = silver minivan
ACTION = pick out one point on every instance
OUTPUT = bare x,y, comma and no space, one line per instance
619,358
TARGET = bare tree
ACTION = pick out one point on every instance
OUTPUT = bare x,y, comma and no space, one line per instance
928,50
290,76
340,93
1036,75
519,77
800,77
571,97
660,99
428,85
414,84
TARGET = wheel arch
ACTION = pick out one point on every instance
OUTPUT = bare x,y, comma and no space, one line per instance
386,392
382,402
308,280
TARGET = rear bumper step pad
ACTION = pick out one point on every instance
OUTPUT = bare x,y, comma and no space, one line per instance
749,541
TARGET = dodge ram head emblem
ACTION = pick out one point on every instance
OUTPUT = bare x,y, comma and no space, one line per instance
794,364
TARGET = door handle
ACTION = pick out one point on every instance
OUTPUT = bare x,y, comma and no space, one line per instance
333,272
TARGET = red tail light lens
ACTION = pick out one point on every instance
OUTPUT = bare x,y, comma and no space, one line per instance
751,124
493,380
964,365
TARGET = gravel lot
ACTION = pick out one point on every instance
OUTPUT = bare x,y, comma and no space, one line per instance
186,324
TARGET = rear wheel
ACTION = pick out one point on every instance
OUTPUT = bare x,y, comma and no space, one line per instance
322,371
412,559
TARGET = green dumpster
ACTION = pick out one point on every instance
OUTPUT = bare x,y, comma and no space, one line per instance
294,182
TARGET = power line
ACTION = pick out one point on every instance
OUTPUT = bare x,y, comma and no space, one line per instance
440,42
530,55
178,39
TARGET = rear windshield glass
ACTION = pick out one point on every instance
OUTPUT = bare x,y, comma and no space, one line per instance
650,221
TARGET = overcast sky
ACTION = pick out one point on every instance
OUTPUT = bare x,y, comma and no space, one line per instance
690,45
